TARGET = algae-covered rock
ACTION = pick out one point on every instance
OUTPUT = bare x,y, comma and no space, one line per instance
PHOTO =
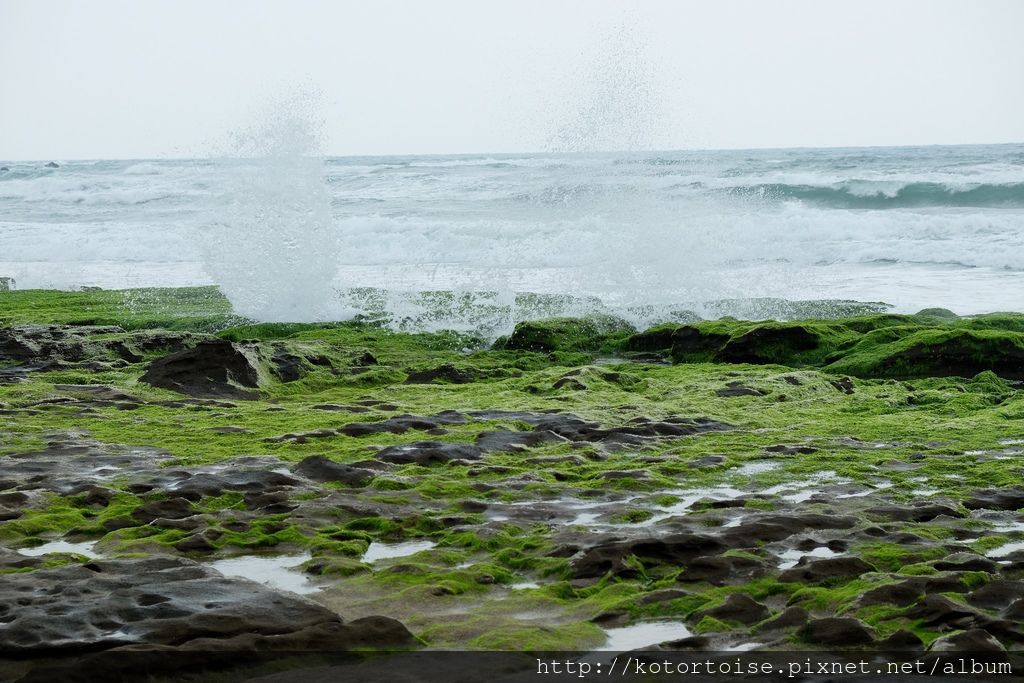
937,353
769,344
565,334
657,338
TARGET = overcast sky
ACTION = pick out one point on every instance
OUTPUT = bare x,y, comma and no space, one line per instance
156,78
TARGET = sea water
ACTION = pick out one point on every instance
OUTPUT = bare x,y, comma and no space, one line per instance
292,236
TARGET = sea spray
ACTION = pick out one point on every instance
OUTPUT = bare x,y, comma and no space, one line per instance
272,247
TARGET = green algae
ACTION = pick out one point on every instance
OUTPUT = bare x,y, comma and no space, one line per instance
936,432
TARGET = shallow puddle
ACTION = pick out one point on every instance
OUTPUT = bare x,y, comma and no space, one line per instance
85,549
636,636
1004,550
790,558
280,571
756,467
385,551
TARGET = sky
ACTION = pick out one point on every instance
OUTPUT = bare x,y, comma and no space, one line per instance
175,78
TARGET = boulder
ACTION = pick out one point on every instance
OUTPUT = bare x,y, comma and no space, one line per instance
837,631
429,453
214,368
319,468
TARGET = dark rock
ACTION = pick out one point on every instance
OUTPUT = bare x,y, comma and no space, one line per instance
611,557
901,640
734,389
690,343
830,569
172,602
841,631
791,617
913,513
996,499
768,344
445,373
655,339
561,334
791,450
511,441
997,594
972,640
51,164
663,595
169,508
719,570
843,384
429,453
899,594
966,562
707,461
319,468
213,368
202,542
935,610
737,607
399,424
955,353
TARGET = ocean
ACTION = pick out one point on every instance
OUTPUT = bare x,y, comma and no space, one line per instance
643,235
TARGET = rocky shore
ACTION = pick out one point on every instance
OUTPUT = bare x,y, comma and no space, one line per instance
173,478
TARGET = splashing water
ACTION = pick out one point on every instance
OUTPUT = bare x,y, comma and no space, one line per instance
272,248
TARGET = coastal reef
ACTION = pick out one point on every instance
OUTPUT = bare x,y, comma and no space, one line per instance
176,477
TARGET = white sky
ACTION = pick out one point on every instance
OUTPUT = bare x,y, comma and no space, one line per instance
152,78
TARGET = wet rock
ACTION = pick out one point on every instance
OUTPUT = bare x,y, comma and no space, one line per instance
611,557
319,468
690,343
734,389
169,508
50,347
707,462
202,542
399,424
444,373
51,164
208,484
171,602
429,453
783,449
336,408
829,569
971,640
843,384
996,499
966,562
562,334
935,610
509,441
768,344
654,339
303,437
1015,612
214,368
901,640
790,618
912,513
737,607
997,594
899,594
837,631
720,570
663,595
